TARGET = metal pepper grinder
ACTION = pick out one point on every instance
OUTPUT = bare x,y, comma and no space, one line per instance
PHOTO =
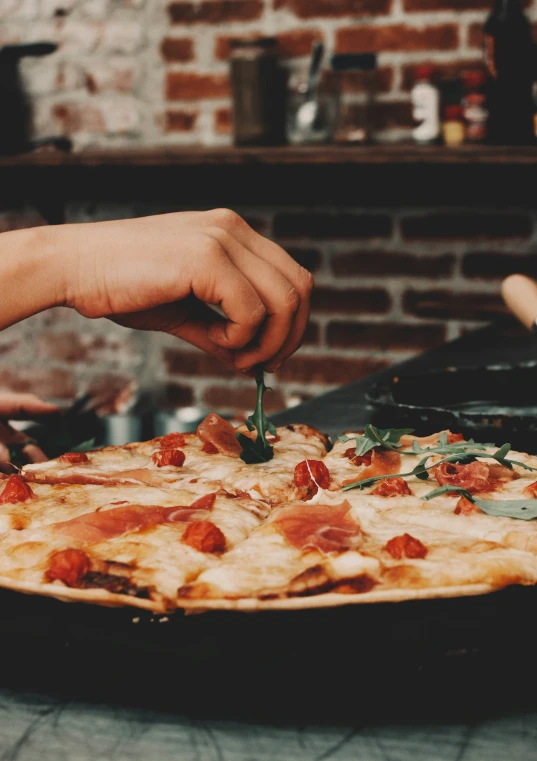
15,116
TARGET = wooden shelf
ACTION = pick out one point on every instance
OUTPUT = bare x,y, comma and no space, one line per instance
198,177
400,154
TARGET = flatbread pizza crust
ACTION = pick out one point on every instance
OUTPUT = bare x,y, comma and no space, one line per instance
181,522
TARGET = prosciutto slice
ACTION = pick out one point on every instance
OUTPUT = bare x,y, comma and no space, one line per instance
327,528
107,524
220,433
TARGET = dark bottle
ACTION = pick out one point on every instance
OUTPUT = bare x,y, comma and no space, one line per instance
510,61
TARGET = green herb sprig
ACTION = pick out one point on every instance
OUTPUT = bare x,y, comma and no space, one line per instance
377,437
457,452
258,449
520,509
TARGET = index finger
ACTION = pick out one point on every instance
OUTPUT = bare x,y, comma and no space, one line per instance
19,406
301,280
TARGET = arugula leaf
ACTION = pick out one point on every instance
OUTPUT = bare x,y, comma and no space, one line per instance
519,509
421,470
458,447
258,450
377,437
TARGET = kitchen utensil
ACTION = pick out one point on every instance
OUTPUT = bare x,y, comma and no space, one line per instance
308,114
520,295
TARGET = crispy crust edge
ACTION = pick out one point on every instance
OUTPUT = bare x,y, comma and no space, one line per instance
91,596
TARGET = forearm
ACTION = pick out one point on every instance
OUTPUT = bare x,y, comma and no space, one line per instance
32,273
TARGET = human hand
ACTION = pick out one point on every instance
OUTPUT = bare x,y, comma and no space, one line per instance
16,406
166,272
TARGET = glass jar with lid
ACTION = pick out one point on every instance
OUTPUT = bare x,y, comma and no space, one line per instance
258,91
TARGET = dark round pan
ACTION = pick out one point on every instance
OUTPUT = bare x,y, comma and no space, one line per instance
497,403
439,658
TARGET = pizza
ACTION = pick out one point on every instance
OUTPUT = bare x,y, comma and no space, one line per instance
184,522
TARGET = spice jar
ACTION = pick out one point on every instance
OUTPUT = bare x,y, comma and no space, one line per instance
453,128
474,105
355,72
258,92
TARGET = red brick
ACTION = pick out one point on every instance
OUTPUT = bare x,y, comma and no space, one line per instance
180,121
338,225
476,37
452,70
351,300
381,115
495,266
309,258
392,263
241,398
446,5
189,86
294,44
384,336
217,12
397,37
223,121
328,369
326,8
180,362
177,49
467,225
45,382
460,306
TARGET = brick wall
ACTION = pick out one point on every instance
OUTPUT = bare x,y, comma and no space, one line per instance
389,284
132,71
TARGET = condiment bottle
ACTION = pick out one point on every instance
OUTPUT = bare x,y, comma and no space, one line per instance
474,105
509,58
453,127
258,90
425,98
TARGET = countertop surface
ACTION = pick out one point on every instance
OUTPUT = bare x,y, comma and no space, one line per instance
407,695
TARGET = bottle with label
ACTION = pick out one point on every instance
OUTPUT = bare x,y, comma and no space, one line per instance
475,107
510,62
425,98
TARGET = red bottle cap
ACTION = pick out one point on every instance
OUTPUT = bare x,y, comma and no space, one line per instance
453,112
424,72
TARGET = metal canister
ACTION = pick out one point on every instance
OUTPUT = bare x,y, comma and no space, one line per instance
258,89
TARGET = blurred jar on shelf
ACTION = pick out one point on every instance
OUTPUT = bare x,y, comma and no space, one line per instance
453,127
355,73
474,104
258,92
311,118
